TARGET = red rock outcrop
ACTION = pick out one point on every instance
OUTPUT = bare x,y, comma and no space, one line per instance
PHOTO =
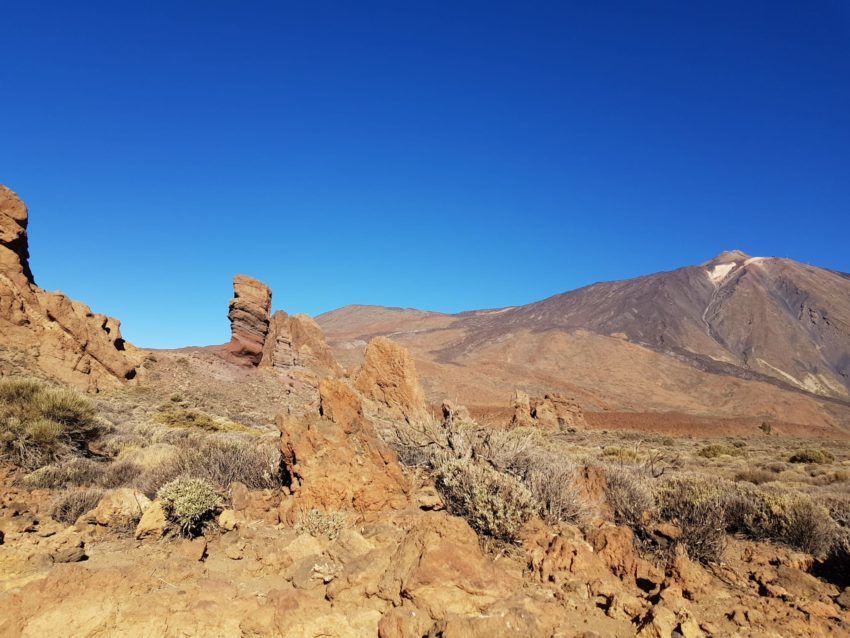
388,377
552,412
336,460
297,341
63,338
249,320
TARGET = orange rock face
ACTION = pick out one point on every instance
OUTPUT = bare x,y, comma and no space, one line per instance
297,341
336,460
63,338
552,412
249,320
389,378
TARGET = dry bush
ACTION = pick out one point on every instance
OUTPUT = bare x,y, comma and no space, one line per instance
624,455
494,503
118,474
72,472
629,495
193,419
189,503
221,460
68,507
39,424
812,456
755,476
782,516
552,482
698,507
720,449
321,523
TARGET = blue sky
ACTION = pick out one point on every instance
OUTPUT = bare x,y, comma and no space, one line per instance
441,155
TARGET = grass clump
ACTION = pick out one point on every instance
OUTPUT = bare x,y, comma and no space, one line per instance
220,460
629,495
40,424
188,503
193,419
494,503
755,476
318,522
624,455
68,507
720,449
811,456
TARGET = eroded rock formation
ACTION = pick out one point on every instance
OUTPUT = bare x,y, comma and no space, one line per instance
388,377
552,412
280,341
335,460
249,319
62,338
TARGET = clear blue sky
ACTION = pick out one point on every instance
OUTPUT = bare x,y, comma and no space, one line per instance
440,155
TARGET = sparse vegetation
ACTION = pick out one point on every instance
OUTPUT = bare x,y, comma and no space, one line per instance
189,503
193,419
720,449
68,507
811,456
318,522
698,507
219,460
629,495
494,503
40,424
756,476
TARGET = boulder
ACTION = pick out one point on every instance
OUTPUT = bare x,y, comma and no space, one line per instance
62,338
388,377
153,523
297,341
121,507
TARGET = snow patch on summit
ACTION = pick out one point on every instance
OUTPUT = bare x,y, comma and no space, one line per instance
719,272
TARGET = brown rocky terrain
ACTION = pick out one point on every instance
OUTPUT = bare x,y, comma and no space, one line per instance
62,337
736,338
256,489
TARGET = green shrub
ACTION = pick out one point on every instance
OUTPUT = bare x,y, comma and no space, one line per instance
39,424
321,523
811,456
188,503
494,503
720,449
68,507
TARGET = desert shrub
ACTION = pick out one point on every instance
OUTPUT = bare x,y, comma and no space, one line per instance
72,472
719,449
188,503
318,522
39,424
698,507
619,454
68,507
118,474
552,483
755,476
782,516
220,460
810,455
629,496
193,419
494,503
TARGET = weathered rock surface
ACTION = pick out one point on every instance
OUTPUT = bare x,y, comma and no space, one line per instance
551,412
297,341
337,461
249,320
388,377
62,338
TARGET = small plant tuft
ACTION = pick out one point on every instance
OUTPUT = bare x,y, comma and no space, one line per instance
189,503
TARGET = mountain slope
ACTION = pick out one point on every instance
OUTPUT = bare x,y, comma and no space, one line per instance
736,336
